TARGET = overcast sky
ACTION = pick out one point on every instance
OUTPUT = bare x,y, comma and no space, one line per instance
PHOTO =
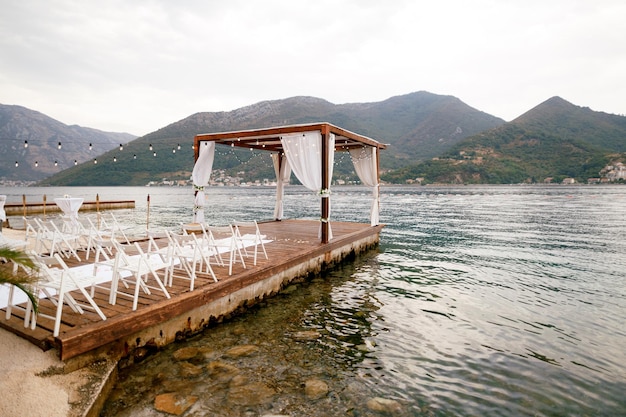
136,66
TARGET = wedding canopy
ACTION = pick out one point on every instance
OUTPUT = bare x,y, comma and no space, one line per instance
308,150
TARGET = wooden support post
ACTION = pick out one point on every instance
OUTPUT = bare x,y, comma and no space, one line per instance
325,185
98,209
148,217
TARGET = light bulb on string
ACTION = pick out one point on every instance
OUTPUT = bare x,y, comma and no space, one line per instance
90,146
150,146
56,163
179,146
26,144
59,145
154,154
121,147
115,159
16,164
36,164
134,156
95,161
173,150
75,162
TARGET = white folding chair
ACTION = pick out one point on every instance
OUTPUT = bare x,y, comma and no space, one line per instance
252,238
57,241
58,284
226,241
138,269
214,248
191,256
113,227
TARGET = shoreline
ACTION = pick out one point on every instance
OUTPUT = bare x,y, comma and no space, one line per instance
34,384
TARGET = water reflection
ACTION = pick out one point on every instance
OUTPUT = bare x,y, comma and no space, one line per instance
317,330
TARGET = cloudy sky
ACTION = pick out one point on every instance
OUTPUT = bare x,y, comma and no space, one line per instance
136,66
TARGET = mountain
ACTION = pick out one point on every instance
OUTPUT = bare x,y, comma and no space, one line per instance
416,126
20,126
555,139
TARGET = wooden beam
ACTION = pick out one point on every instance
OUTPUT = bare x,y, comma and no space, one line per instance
270,137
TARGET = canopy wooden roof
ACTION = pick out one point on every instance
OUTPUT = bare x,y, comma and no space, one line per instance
268,139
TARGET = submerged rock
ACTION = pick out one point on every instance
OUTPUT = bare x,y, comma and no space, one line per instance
306,335
221,370
252,394
243,350
189,370
173,403
384,405
185,353
315,389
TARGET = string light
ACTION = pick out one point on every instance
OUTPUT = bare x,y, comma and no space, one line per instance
90,146
121,147
26,144
16,164
55,163
36,164
150,146
134,156
59,145
173,150
115,159
154,154
75,162
95,161
179,146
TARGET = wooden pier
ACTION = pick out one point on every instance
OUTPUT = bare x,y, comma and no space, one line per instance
295,251
28,209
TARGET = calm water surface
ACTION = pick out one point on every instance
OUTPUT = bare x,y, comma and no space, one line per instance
481,301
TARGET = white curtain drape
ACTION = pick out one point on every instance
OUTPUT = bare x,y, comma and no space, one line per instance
304,153
283,172
366,167
200,176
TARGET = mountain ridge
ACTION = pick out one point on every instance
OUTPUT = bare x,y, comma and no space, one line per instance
20,126
550,142
399,118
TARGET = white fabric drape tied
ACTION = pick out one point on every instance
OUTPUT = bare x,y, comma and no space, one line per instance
283,172
366,167
200,176
304,153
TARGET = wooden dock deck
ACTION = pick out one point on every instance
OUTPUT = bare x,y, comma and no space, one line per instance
295,250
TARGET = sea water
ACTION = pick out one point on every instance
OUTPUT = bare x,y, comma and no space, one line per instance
480,301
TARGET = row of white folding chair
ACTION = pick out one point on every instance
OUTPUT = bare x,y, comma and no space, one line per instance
234,239
219,240
134,269
56,283
49,238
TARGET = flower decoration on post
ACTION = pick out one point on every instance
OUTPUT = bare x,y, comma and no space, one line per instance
324,193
